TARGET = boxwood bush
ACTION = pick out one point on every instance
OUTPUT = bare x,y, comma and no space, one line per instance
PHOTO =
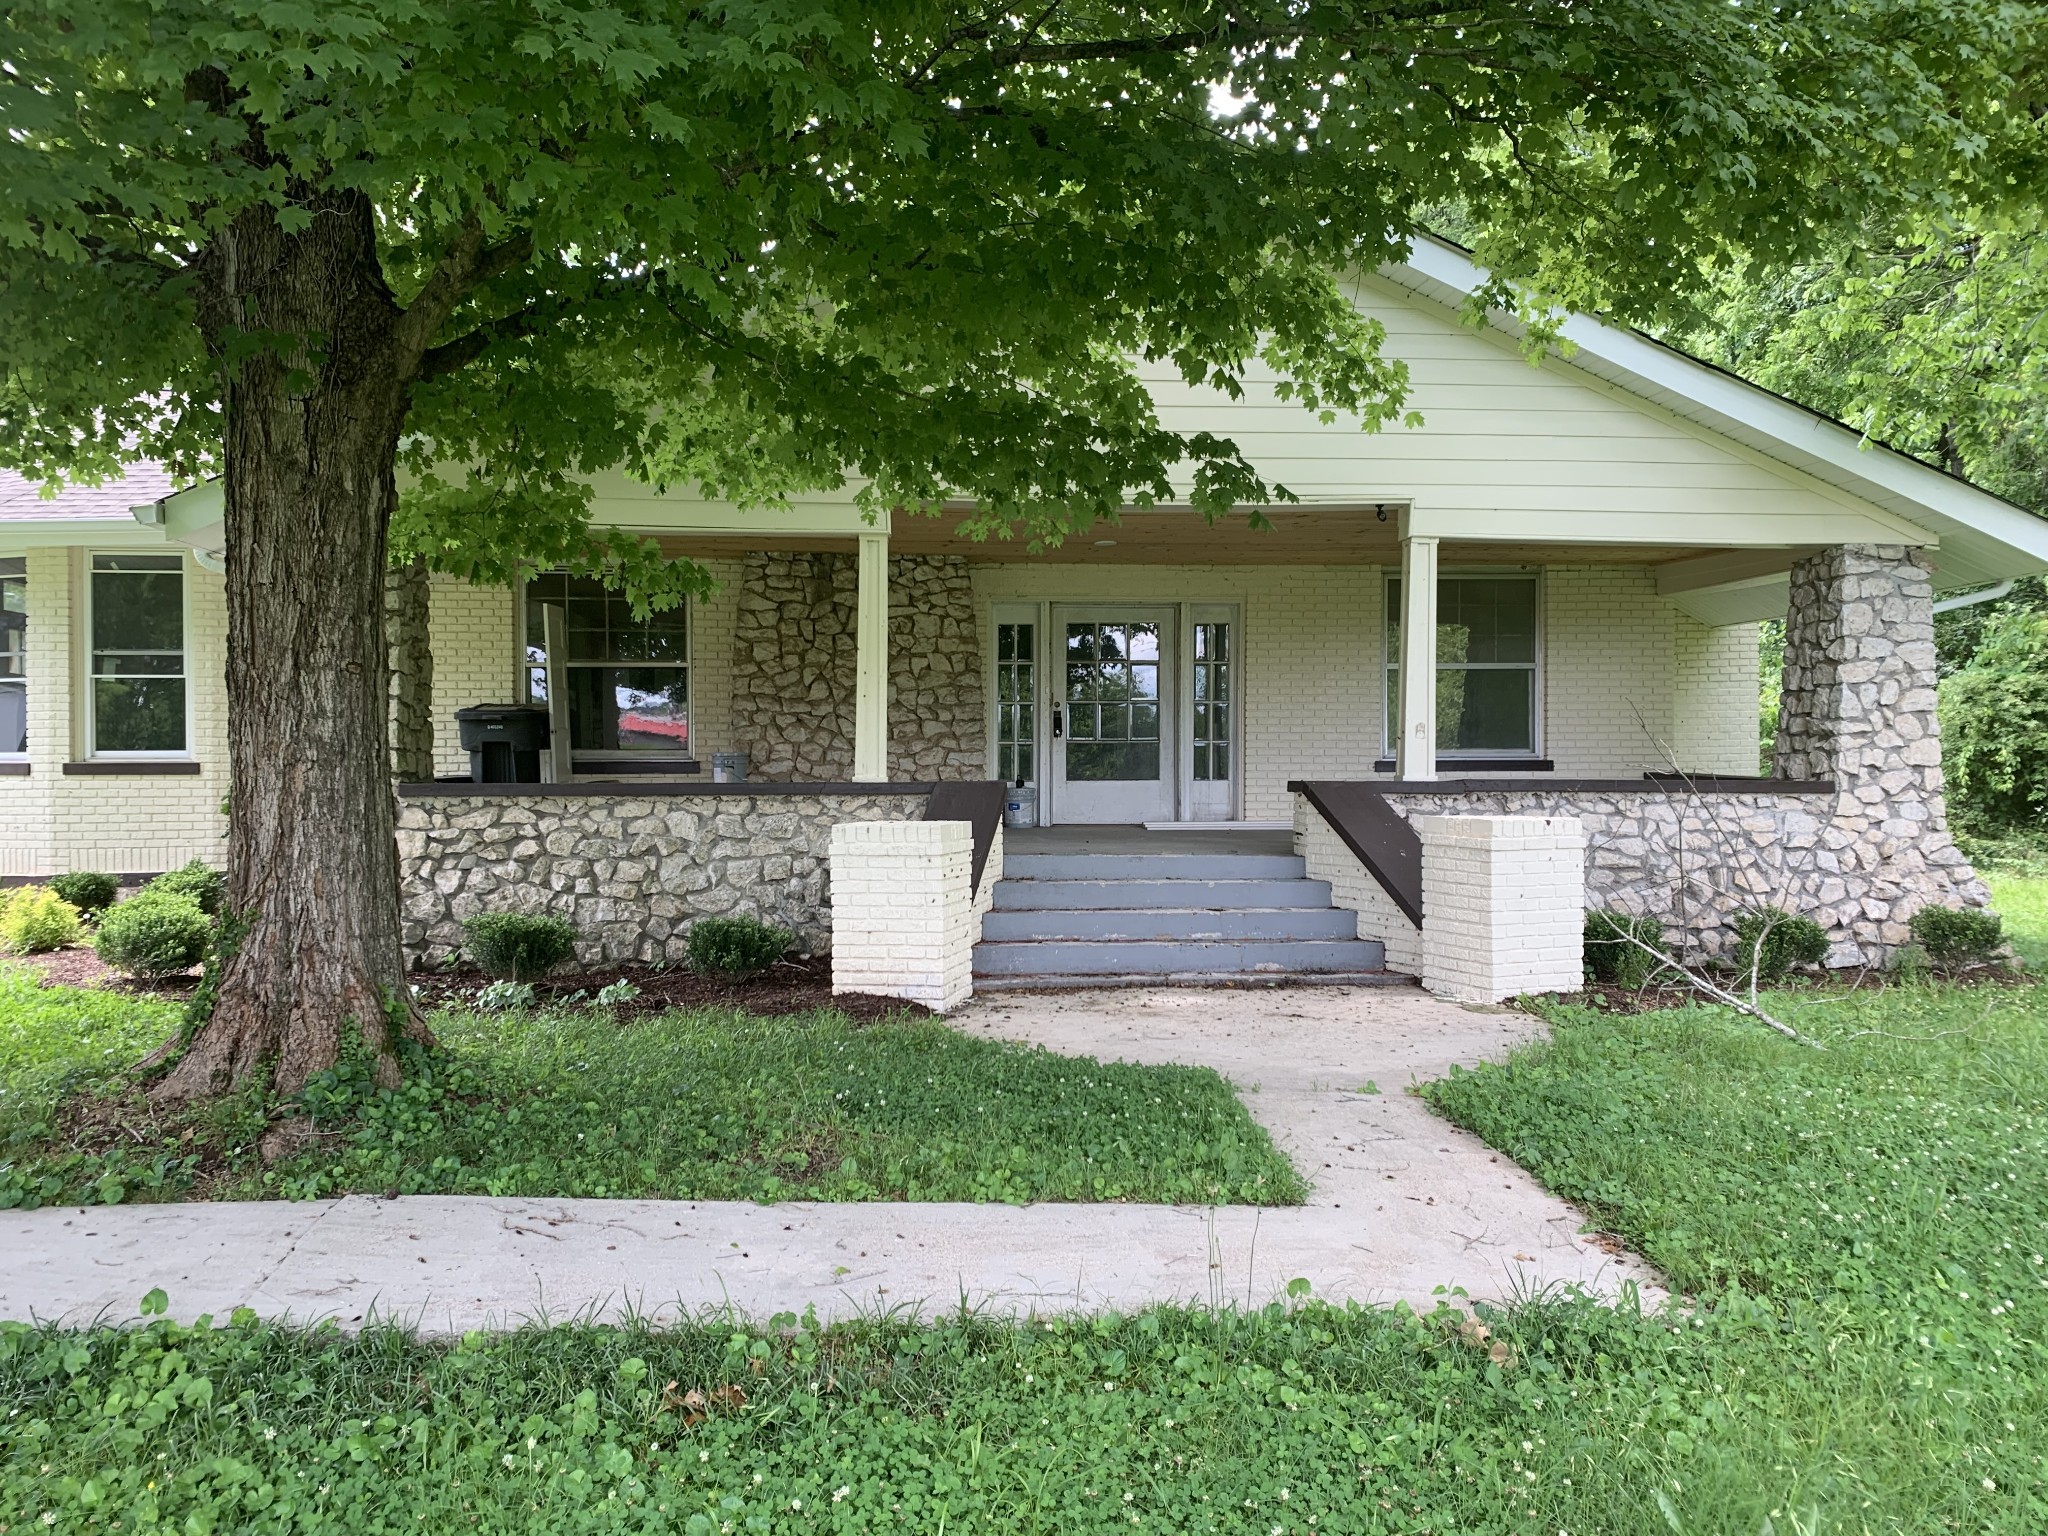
1773,941
736,947
35,918
198,882
87,889
518,946
1955,940
154,933
1614,952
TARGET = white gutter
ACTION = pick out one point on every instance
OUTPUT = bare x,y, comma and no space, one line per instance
1971,599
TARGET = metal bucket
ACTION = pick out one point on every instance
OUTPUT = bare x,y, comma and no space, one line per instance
728,767
1020,806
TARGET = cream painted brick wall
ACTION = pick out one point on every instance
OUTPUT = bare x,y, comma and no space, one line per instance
1311,684
1717,711
1502,905
1607,671
1354,889
476,659
711,631
903,916
121,823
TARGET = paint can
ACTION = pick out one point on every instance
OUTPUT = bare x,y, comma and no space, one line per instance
1020,806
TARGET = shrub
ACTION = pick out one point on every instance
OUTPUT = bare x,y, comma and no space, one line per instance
199,883
87,889
1994,727
1955,939
1773,941
154,933
736,947
1614,952
35,918
518,946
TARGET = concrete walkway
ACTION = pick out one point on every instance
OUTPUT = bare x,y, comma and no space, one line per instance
1404,1206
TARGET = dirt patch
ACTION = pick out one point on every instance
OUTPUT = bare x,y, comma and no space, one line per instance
789,987
79,966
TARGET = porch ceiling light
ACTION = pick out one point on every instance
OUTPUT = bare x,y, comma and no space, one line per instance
1105,543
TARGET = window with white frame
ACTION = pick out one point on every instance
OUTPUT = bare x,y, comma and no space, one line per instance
13,655
137,606
1487,645
628,679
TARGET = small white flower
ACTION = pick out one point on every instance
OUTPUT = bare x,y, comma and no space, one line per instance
706,1456
1989,1485
840,1493
270,1434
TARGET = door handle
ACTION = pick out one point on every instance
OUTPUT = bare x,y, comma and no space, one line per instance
1059,722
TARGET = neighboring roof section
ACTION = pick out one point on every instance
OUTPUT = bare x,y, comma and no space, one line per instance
22,500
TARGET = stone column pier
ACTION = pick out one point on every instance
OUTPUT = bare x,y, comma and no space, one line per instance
1858,707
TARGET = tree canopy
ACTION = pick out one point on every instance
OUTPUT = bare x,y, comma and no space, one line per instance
769,243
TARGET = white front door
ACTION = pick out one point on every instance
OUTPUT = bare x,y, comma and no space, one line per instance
1113,719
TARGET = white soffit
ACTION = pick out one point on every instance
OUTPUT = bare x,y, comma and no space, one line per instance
1983,537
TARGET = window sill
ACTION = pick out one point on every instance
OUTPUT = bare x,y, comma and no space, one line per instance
14,768
1456,765
133,765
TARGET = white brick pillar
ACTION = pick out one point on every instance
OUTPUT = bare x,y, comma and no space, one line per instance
1503,905
903,910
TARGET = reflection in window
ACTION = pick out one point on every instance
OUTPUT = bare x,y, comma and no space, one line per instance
1112,701
627,679
13,654
1213,703
1485,663
138,653
1016,716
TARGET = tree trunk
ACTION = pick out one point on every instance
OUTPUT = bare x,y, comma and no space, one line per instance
301,323
407,611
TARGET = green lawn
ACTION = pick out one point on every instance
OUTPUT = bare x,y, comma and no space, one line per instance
689,1105
2022,900
1861,1231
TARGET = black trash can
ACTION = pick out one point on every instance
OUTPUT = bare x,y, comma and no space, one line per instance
504,741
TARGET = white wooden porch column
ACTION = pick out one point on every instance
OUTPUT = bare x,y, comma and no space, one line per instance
1415,747
871,665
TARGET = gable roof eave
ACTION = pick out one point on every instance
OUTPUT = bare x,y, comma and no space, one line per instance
1984,538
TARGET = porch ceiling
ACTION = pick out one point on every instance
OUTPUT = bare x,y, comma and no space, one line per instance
1299,536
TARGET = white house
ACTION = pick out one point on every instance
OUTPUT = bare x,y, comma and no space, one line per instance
1580,550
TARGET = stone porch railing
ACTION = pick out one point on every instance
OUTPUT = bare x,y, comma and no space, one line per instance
634,865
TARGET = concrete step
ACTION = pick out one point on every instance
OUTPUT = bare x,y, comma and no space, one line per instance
1238,979
1171,923
1168,957
1152,866
1063,895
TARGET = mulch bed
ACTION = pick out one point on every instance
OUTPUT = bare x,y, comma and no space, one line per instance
79,966
788,987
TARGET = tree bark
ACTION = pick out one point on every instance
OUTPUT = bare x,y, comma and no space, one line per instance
315,388
408,610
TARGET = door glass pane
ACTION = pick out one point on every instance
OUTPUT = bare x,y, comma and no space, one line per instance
1211,669
1109,665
